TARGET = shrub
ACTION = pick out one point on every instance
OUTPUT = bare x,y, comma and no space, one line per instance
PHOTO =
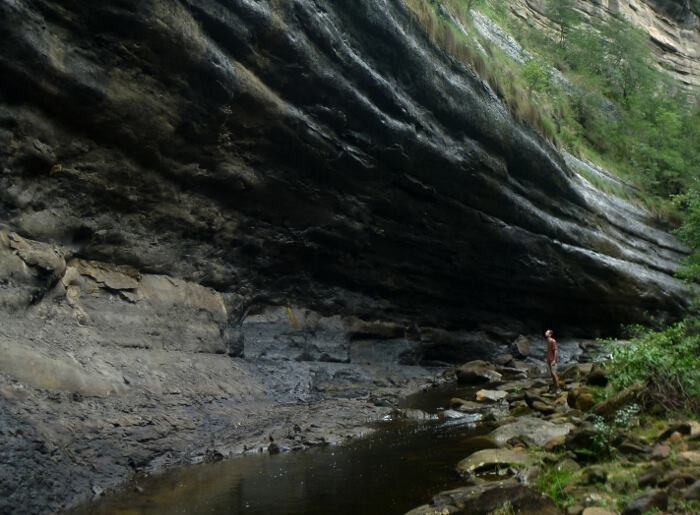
667,361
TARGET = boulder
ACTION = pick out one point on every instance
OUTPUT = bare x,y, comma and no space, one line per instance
661,452
521,346
538,430
476,372
580,398
503,359
597,376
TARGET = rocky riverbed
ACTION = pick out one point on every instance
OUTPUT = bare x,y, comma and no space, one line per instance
554,452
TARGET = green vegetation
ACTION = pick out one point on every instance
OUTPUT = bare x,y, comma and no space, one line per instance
589,87
553,481
667,362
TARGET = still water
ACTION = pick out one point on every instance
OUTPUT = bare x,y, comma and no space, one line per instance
398,467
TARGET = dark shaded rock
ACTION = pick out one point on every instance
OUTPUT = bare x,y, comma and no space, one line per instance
503,359
290,333
683,476
597,376
632,446
580,398
595,474
378,180
651,477
585,442
688,428
654,499
692,493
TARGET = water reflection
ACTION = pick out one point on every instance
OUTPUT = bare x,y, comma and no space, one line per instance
391,471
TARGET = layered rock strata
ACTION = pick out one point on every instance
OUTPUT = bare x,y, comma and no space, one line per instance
324,154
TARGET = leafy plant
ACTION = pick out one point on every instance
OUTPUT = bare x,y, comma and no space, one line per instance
602,442
667,361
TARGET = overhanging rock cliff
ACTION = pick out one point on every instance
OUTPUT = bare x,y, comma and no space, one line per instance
322,153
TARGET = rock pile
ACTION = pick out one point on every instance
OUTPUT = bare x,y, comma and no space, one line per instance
565,452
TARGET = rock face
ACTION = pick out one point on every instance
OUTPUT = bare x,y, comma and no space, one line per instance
673,27
323,153
208,206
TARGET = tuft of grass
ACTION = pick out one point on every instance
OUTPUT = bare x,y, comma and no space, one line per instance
553,482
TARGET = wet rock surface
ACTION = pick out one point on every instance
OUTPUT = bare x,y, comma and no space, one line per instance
326,156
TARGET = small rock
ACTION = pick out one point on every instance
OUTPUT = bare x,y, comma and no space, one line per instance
647,502
98,491
490,395
543,407
575,509
138,489
661,452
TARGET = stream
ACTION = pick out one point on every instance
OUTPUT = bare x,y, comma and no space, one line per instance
391,470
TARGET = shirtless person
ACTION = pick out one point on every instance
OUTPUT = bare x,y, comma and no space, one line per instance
552,356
